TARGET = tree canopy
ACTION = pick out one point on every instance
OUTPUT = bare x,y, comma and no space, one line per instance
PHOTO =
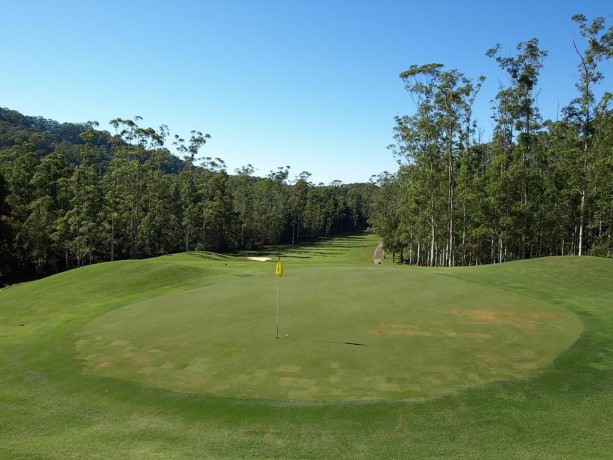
72,195
536,188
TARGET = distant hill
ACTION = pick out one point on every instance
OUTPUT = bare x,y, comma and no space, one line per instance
48,136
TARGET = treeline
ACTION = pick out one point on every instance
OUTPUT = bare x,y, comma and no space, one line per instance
538,188
72,195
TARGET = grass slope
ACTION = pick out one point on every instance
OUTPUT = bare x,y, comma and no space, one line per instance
59,399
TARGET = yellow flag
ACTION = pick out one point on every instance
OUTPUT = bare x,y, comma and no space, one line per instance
279,269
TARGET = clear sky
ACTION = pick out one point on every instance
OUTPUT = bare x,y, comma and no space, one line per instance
310,84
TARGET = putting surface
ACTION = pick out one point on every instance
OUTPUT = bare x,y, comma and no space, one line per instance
346,333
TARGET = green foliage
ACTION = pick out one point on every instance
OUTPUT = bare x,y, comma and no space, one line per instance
91,197
6,231
430,143
536,189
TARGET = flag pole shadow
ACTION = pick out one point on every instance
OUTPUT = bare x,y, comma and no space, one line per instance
331,342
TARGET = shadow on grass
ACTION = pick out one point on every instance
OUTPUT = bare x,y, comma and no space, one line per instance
331,342
210,255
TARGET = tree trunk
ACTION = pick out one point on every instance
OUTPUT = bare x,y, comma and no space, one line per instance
431,259
450,254
581,224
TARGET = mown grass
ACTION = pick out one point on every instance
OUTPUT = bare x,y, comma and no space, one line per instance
352,336
50,408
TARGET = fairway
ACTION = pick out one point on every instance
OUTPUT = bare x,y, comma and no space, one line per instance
345,334
176,357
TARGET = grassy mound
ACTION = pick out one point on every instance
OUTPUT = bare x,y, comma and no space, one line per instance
345,334
176,357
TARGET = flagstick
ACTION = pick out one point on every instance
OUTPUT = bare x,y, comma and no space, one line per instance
277,307
279,273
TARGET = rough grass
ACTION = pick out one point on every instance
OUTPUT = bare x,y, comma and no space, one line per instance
54,402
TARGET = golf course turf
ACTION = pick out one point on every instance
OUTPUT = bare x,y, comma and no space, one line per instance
176,357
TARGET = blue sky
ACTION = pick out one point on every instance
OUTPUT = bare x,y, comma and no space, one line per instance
313,85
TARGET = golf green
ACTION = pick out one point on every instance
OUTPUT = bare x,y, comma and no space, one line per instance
345,333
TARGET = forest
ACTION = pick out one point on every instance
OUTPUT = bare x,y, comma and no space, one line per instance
71,194
537,188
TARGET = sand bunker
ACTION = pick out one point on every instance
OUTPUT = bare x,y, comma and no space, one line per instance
259,259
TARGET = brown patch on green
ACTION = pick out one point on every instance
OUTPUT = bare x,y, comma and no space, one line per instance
195,382
526,320
143,360
491,358
291,381
103,363
256,378
146,370
288,368
395,329
388,387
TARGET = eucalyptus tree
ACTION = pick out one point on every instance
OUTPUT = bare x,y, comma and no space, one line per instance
242,189
454,98
520,98
81,222
221,220
111,204
431,140
18,174
313,216
297,203
270,205
126,170
156,220
333,207
356,200
189,153
600,178
599,47
209,169
471,197
418,144
279,196
561,200
144,141
6,234
519,113
386,212
40,229
187,191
